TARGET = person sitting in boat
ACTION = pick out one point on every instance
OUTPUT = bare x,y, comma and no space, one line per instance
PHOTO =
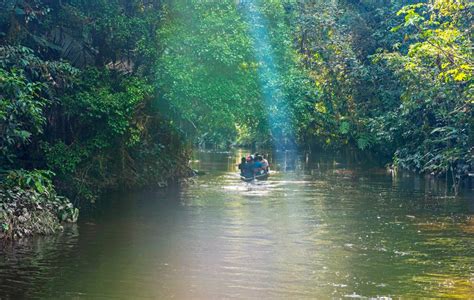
243,161
247,169
258,165
265,163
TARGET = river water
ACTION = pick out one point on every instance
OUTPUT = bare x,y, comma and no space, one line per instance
319,228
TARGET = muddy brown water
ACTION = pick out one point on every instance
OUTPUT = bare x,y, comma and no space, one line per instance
319,228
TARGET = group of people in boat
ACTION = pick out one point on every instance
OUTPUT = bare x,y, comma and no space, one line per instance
253,165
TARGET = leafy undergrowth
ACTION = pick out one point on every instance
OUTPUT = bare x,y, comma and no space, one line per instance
29,206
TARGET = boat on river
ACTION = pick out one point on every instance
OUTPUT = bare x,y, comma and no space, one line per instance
263,176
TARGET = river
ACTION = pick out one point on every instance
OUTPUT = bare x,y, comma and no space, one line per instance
321,227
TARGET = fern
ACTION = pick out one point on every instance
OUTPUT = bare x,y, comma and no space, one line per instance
364,142
345,127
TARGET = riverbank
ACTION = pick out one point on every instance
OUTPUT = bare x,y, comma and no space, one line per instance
30,203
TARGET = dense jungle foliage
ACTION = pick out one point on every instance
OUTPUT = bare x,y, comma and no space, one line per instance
77,95
392,78
107,94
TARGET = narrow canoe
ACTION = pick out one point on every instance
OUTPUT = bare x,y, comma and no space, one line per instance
257,177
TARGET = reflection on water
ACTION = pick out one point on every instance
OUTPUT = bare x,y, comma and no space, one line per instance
323,228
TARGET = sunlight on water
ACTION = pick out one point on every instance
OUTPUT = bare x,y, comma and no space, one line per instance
313,234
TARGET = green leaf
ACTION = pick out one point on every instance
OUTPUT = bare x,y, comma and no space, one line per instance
344,127
39,187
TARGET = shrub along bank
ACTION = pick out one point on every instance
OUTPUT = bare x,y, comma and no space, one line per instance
78,99
29,205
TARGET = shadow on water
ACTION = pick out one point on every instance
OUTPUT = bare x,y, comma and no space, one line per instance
321,226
